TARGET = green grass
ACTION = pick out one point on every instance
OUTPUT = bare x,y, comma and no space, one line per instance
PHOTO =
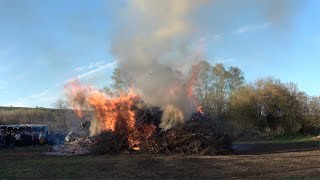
292,138
29,163
282,139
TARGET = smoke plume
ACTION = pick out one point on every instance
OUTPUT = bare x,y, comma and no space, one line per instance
159,42
156,55
155,48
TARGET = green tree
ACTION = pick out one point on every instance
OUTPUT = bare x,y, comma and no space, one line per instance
236,78
204,82
270,106
312,123
215,87
244,113
120,83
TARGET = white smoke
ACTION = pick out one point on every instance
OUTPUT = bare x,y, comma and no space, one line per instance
155,53
155,49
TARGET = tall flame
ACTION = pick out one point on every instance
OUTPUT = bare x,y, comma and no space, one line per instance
112,113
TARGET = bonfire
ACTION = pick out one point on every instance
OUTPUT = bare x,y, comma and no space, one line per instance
126,124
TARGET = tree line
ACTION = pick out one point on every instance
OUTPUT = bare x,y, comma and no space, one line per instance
57,119
265,107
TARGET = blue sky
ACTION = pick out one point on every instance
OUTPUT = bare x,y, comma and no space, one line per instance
43,44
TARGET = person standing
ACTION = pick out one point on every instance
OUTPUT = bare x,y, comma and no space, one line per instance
34,139
24,138
7,139
17,137
29,135
12,140
41,138
2,137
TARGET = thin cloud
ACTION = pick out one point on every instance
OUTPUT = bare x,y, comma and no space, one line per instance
92,70
251,28
80,68
39,95
215,37
93,65
96,69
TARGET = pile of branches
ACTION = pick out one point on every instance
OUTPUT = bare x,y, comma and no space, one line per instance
78,140
77,147
194,137
109,143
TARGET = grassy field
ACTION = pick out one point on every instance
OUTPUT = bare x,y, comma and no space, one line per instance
283,139
295,138
30,163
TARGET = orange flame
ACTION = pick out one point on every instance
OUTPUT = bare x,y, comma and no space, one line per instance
139,135
113,113
191,83
199,109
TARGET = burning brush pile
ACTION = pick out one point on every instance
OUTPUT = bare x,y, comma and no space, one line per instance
158,53
125,124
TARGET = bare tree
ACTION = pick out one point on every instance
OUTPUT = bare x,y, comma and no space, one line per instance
62,107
